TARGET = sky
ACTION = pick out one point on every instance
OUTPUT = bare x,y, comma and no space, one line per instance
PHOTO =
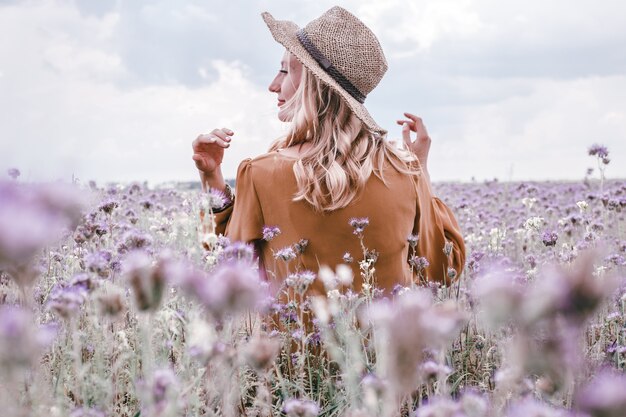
118,90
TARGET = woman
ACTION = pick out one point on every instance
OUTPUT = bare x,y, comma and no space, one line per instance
334,187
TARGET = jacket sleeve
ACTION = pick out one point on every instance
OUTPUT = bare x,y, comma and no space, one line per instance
243,221
435,223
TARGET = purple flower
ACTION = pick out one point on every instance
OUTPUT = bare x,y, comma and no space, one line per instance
288,315
532,261
451,273
600,151
146,204
33,216
397,290
230,288
347,258
223,241
359,224
162,381
286,254
297,334
474,261
549,238
294,407
111,303
134,239
13,173
419,263
440,407
431,370
217,199
99,262
82,280
300,281
500,295
301,246
314,339
270,232
615,259
108,206
131,216
134,188
413,239
431,327
21,341
147,279
237,251
372,255
604,396
234,287
66,301
529,407
261,351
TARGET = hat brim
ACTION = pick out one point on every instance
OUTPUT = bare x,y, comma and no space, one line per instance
284,32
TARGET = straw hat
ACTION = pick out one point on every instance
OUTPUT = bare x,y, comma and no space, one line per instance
341,51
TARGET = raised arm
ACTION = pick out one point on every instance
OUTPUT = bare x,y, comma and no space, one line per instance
208,153
440,238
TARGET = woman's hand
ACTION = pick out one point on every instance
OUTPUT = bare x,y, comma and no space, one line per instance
208,150
421,145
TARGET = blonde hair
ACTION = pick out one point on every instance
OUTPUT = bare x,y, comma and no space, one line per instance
343,152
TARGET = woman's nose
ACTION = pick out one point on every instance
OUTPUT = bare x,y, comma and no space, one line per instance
274,85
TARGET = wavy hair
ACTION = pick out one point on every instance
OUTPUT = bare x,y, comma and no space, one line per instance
343,152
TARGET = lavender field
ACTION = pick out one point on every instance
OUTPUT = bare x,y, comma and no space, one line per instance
121,301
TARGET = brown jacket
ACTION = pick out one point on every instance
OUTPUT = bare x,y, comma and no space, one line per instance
265,189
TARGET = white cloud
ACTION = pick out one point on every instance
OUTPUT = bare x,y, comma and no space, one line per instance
419,25
120,94
541,135
66,111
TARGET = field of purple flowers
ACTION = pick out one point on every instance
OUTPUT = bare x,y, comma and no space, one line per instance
121,301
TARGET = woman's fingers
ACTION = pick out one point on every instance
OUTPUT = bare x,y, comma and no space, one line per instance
416,124
413,117
210,139
221,137
223,134
406,135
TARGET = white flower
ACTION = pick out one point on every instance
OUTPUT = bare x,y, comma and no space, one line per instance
209,239
327,276
533,224
496,236
344,275
599,270
320,308
210,260
582,206
365,264
333,294
473,238
528,202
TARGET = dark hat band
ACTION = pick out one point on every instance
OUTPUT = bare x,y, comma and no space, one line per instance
329,68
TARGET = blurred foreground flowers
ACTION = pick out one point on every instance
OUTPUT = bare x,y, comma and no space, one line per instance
117,301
